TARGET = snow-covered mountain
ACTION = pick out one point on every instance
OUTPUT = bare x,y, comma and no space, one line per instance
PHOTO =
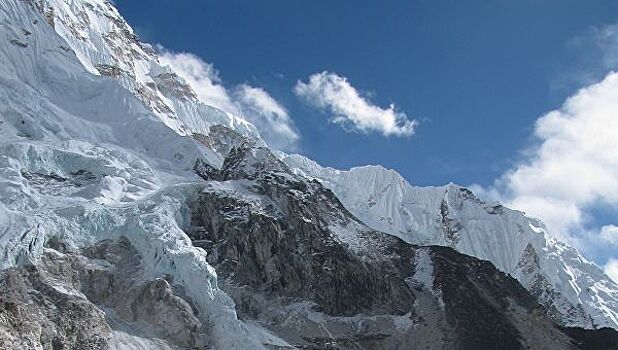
575,291
88,156
110,239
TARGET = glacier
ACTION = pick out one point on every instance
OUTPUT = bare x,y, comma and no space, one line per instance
86,157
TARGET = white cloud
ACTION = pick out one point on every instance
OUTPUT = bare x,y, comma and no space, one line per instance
574,164
609,234
268,116
251,103
611,269
333,93
201,76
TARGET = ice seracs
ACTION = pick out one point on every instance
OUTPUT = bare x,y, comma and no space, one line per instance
87,152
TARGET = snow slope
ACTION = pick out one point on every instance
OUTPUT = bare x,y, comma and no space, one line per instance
574,290
106,45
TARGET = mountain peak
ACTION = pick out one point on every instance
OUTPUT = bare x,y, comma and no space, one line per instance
576,291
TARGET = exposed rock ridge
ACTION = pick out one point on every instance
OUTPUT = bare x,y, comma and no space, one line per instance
295,260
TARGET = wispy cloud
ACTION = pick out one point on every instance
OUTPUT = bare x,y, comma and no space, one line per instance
251,103
334,94
268,116
603,40
593,54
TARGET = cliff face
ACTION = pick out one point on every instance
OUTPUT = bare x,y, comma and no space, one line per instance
295,260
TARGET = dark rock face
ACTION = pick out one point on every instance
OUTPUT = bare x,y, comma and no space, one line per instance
604,338
288,249
482,324
484,304
296,261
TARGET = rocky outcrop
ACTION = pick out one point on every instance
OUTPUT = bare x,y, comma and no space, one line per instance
268,248
295,260
66,301
36,313
19,43
170,84
221,139
109,70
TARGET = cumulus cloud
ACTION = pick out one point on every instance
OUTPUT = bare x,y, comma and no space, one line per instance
251,103
611,269
334,94
573,165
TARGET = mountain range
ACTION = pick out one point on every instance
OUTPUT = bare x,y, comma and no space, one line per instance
134,215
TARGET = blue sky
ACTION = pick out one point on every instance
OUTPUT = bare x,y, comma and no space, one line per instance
474,75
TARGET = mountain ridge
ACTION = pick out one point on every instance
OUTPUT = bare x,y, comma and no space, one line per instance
453,216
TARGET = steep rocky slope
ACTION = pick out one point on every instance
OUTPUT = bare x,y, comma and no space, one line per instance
296,261
573,290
